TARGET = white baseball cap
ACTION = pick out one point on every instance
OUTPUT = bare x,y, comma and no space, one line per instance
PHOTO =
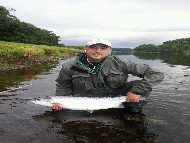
98,41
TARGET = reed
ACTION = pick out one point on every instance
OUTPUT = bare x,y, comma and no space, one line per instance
13,54
19,49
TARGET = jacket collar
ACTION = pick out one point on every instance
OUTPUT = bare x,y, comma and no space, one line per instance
81,58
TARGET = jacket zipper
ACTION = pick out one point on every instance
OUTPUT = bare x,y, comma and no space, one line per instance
91,79
104,78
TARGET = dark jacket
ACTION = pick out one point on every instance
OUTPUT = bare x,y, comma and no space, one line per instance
77,77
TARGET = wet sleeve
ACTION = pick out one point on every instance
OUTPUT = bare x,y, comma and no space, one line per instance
150,77
64,83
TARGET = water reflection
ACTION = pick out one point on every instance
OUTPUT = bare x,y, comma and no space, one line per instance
10,79
112,125
170,59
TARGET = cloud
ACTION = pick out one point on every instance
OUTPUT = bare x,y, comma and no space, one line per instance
125,23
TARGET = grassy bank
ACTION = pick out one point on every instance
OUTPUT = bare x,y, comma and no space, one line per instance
19,55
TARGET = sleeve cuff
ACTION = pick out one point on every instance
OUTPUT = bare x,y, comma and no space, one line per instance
135,92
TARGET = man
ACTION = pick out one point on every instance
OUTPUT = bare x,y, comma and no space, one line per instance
96,73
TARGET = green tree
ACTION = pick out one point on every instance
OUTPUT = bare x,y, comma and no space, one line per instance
172,46
12,30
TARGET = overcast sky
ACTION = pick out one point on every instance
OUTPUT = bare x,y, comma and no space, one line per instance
125,23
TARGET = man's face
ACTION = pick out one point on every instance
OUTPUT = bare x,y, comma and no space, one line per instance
96,53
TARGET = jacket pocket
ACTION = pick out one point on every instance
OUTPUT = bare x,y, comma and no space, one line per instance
116,79
81,82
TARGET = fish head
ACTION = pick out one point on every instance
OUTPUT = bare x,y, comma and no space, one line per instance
44,102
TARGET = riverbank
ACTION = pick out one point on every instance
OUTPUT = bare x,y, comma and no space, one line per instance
19,55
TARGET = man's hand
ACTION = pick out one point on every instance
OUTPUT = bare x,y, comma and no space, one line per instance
57,106
132,97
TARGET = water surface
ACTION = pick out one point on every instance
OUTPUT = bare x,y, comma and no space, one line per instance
164,119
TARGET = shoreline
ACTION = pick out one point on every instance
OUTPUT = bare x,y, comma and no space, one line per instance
20,55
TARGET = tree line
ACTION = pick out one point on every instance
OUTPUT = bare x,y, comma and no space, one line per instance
13,30
172,46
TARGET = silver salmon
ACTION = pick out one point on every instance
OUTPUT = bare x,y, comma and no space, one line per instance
82,103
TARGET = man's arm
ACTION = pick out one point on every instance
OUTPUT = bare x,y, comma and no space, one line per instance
64,85
64,82
150,77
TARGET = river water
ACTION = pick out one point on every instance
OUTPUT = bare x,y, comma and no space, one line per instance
164,119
